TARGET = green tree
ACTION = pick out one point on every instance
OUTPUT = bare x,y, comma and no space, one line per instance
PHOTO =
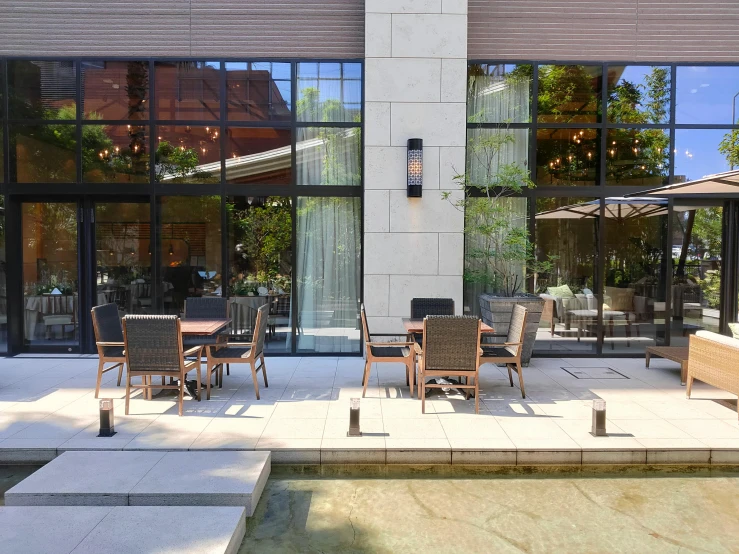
266,232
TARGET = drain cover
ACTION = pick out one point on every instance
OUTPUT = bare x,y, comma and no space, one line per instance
594,373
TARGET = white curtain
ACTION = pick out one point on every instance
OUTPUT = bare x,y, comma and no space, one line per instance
328,274
328,156
498,99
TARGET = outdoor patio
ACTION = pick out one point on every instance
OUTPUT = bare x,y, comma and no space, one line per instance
47,406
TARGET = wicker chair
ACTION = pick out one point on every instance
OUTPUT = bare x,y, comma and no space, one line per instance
240,353
509,352
153,346
109,341
713,359
451,346
386,352
421,307
206,307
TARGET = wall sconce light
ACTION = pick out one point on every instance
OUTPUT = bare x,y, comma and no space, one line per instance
415,168
354,418
106,418
599,418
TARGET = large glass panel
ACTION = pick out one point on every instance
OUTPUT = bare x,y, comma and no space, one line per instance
328,274
495,154
41,90
705,94
567,239
260,260
43,153
115,90
636,274
258,91
570,93
329,91
696,271
123,252
3,282
638,94
499,93
699,152
329,156
187,154
2,159
191,249
115,153
50,293
188,91
639,157
569,157
260,155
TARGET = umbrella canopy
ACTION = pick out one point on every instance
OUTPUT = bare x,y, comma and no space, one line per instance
724,185
618,208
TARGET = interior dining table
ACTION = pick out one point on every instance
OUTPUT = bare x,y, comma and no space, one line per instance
414,326
203,326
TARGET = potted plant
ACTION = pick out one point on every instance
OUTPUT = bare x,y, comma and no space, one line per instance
499,255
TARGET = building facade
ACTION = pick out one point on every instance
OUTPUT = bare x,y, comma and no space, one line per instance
200,147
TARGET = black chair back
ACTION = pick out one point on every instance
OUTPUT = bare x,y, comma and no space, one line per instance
421,307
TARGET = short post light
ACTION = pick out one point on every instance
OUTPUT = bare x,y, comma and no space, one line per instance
599,418
354,418
106,418
415,168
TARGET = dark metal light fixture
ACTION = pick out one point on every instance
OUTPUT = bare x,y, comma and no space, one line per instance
106,418
171,250
354,418
599,418
415,168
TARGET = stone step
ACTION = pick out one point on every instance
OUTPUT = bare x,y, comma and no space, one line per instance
138,478
121,529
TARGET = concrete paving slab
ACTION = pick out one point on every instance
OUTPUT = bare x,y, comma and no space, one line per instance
204,479
89,478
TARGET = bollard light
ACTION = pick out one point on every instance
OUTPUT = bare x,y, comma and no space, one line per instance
599,418
415,168
106,418
354,418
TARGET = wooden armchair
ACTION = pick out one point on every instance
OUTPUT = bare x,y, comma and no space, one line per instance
153,347
509,352
387,352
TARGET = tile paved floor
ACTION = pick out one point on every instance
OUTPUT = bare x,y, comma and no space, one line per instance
47,405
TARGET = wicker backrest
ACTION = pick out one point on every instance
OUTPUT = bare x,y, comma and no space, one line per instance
107,326
517,328
451,342
153,342
206,307
260,328
421,307
365,325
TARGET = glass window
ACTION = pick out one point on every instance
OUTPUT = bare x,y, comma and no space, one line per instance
570,93
188,90
2,159
258,91
639,157
42,90
638,94
329,92
567,243
191,249
496,154
705,94
329,156
187,154
328,274
260,260
636,274
699,152
567,157
3,281
43,153
259,155
499,93
114,90
115,154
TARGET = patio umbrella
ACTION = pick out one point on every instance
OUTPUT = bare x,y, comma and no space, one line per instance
721,185
618,208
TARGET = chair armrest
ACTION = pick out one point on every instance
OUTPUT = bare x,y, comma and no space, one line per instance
227,344
192,351
388,334
110,344
390,343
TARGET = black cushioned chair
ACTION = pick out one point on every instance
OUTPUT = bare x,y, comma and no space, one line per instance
109,341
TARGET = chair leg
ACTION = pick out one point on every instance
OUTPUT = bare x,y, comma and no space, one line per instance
100,378
120,375
688,386
209,377
197,376
228,369
220,376
407,376
128,390
477,395
254,377
520,379
182,394
510,375
423,394
411,369
264,373
365,377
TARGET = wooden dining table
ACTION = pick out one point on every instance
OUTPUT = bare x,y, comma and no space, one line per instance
203,326
413,326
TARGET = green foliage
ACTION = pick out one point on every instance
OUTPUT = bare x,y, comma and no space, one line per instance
729,147
267,234
707,230
711,287
179,163
562,87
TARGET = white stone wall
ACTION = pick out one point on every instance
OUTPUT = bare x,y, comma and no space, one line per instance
415,75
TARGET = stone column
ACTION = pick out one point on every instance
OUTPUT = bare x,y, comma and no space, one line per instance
415,87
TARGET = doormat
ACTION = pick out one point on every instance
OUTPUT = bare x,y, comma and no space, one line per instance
594,373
